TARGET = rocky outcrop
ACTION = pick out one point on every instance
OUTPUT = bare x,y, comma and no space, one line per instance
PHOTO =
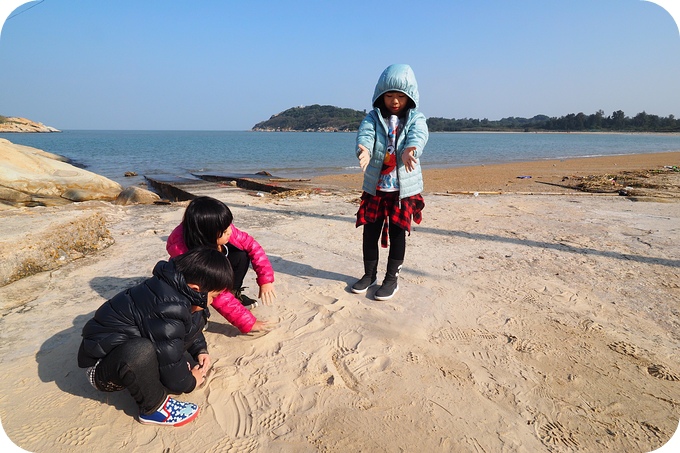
32,177
9,124
136,195
43,239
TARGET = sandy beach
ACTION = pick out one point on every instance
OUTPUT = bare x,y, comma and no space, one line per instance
538,319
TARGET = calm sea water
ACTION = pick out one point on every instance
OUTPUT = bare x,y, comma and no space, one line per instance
307,154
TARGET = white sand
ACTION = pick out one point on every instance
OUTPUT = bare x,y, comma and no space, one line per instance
523,323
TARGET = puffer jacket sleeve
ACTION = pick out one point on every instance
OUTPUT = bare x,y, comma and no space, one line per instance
366,134
258,257
417,133
370,135
175,245
175,374
231,308
198,345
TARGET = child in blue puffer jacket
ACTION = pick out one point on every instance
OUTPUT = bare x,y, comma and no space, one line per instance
389,143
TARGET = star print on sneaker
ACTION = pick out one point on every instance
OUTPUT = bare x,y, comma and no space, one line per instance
171,413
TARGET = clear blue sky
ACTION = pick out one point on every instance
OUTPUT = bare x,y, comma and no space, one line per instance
226,65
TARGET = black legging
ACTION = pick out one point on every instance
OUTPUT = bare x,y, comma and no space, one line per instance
134,365
371,242
240,262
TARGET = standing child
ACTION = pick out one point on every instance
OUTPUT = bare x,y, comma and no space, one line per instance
208,222
390,140
149,339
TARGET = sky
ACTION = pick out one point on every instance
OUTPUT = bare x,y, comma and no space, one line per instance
227,65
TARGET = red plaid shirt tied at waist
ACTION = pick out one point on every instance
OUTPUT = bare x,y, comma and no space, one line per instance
387,207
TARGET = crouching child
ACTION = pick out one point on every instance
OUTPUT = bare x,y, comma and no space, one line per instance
149,338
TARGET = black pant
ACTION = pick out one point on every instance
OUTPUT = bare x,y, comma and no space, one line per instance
240,262
371,239
134,365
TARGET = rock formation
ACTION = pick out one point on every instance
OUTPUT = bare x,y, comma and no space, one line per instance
136,195
32,177
56,236
9,124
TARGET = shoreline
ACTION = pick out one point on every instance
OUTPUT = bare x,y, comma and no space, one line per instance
321,154
504,177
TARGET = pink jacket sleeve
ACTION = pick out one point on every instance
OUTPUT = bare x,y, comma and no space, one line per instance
261,265
231,308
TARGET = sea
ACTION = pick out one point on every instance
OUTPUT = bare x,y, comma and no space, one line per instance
304,155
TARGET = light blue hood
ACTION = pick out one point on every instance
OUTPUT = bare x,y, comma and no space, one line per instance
397,77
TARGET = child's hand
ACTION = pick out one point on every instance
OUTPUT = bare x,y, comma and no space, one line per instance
199,374
364,158
204,362
262,326
409,158
267,293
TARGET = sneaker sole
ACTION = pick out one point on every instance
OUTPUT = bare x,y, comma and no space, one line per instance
387,297
182,423
362,291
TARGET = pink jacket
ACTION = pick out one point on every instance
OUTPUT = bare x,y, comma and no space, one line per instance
225,303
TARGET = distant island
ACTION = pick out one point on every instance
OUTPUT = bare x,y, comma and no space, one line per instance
327,118
12,124
313,118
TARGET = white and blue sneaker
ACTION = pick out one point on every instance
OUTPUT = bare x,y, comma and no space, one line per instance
171,413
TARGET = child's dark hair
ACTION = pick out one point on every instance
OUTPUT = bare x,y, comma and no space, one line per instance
206,267
205,219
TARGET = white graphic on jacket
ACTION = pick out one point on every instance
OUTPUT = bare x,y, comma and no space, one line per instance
388,180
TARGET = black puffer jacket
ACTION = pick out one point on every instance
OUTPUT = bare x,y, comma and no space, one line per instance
158,309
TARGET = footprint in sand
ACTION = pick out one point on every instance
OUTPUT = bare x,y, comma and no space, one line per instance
352,365
464,336
589,325
412,357
272,420
624,348
661,372
524,345
531,299
75,437
348,378
553,435
31,436
248,445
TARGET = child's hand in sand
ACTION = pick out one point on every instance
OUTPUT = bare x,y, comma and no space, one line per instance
409,158
198,373
262,326
364,158
204,362
267,294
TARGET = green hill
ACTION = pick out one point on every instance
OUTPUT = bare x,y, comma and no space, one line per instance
312,118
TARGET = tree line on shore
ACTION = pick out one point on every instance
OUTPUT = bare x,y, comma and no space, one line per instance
579,122
329,118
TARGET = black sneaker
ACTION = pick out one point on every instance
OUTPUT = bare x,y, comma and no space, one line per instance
363,284
246,301
388,289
